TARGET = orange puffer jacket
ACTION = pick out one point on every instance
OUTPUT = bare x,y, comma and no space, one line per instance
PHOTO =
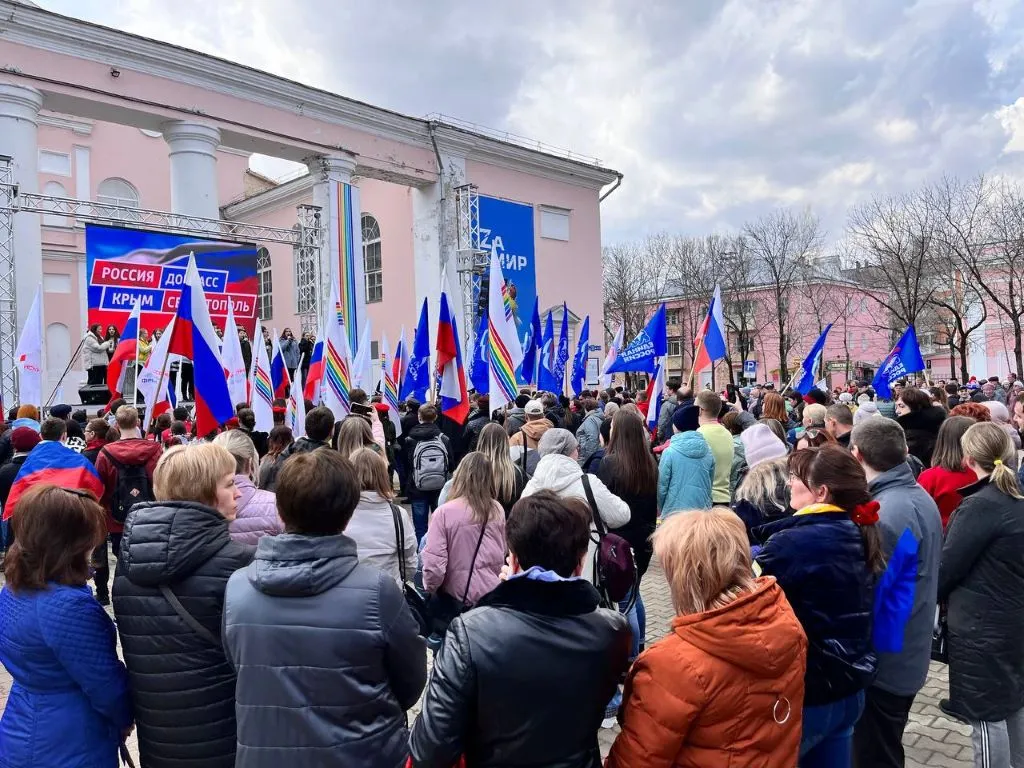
725,688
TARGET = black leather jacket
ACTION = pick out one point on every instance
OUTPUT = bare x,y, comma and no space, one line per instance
523,679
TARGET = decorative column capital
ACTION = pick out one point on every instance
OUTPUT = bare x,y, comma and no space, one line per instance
196,138
20,101
331,167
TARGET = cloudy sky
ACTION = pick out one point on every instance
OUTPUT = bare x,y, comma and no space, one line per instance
716,111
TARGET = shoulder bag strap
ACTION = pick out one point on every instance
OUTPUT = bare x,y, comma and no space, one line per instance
522,459
188,618
472,564
598,522
396,513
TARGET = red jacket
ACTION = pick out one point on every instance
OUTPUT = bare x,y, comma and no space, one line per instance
132,452
945,486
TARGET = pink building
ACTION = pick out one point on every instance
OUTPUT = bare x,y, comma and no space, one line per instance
855,345
148,132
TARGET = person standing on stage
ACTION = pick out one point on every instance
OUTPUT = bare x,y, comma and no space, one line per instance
95,354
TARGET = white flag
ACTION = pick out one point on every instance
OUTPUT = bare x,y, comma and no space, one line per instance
296,413
613,352
153,380
362,365
262,389
231,357
388,390
28,357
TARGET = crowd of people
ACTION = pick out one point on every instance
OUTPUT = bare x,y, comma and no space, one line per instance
275,602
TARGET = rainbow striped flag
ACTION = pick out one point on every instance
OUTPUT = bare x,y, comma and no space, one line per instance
505,352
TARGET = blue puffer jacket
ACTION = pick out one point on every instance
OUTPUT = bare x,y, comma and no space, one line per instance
817,555
70,699
685,474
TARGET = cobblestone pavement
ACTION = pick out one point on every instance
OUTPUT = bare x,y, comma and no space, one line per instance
931,739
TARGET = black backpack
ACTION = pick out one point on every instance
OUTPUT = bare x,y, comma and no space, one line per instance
133,485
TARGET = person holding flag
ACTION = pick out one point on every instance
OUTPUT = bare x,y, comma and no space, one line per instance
125,357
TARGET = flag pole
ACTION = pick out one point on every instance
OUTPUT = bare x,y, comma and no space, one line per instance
700,345
135,366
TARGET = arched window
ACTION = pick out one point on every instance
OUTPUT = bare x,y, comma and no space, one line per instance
54,189
371,259
265,281
120,193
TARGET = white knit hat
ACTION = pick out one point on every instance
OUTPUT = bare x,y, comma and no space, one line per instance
761,444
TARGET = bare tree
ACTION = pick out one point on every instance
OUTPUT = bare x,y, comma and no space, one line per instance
691,278
780,246
891,242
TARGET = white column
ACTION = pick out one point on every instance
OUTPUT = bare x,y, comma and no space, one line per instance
434,241
193,155
19,109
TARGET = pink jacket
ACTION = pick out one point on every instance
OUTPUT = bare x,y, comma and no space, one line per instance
451,541
255,513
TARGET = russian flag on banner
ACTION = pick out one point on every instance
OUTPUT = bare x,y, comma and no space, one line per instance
454,395
125,351
400,363
195,339
56,464
710,339
655,397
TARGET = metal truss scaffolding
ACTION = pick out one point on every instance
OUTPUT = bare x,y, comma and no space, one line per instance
307,237
471,260
8,292
309,285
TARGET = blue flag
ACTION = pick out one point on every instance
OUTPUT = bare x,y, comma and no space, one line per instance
804,381
546,381
531,348
478,374
905,358
417,377
562,356
650,343
579,362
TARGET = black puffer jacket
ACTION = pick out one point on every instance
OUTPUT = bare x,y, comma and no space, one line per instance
475,423
317,637
523,679
183,688
982,577
818,559
922,430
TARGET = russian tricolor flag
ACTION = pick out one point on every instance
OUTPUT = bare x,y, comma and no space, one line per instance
125,352
316,370
710,339
454,395
278,371
195,339
56,464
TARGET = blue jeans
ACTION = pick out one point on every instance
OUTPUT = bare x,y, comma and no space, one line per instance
828,733
420,516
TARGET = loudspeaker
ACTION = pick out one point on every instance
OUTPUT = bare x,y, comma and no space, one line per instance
94,394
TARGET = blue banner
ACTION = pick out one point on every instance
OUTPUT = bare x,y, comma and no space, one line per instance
509,228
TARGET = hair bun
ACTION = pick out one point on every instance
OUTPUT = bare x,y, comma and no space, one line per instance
866,513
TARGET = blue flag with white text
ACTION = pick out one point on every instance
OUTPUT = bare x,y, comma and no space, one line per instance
546,381
804,382
650,343
417,377
579,362
562,355
904,359
531,348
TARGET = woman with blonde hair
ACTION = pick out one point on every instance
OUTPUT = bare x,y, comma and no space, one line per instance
382,530
355,433
763,495
734,633
981,578
465,542
509,478
256,511
176,557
